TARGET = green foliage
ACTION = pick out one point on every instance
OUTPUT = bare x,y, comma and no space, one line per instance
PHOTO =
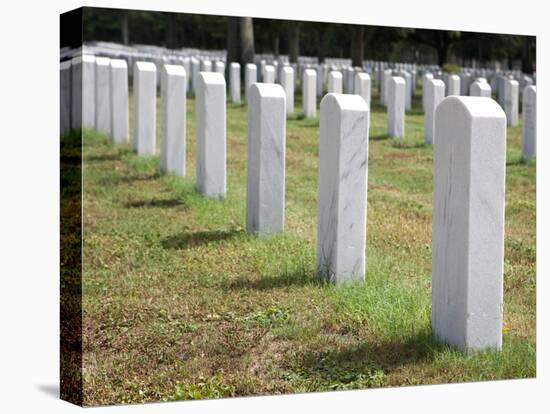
451,68
177,30
203,388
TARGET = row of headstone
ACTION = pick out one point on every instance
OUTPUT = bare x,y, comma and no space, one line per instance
216,60
468,231
83,70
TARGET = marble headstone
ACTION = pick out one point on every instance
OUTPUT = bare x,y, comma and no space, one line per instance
173,119
468,222
320,77
269,74
309,94
453,85
287,82
76,92
335,82
265,193
511,101
342,188
235,82
529,126
435,93
219,67
119,101
88,91
65,96
362,86
250,77
425,78
195,69
211,135
479,88
103,95
145,108
396,107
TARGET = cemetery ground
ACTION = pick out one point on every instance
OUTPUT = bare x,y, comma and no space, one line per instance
180,303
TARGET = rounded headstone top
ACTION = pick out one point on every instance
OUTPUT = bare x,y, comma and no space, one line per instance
345,101
146,66
272,90
474,106
398,79
212,78
102,61
176,70
118,63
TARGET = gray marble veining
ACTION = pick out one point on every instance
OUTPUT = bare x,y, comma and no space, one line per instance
173,119
265,194
342,192
211,134
468,222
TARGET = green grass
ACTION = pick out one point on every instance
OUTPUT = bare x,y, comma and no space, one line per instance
180,303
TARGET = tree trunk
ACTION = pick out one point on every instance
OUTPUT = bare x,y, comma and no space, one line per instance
324,37
276,45
171,38
357,46
247,40
233,43
124,28
526,56
293,41
443,47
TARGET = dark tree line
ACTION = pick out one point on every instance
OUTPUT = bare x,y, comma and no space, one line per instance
244,36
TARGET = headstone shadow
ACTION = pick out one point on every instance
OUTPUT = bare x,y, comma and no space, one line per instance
189,240
361,362
277,281
156,203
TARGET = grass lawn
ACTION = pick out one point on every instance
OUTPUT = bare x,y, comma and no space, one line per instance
180,303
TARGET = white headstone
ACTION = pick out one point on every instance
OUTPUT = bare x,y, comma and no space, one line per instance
145,108
396,107
206,65
426,77
468,222
235,82
265,193
186,62
349,79
309,94
103,95
480,88
408,89
453,85
76,92
250,77
287,82
65,96
119,101
195,69
211,135
529,126
435,93
511,101
335,82
320,77
342,188
88,91
362,86
173,119
219,67
386,76
269,74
